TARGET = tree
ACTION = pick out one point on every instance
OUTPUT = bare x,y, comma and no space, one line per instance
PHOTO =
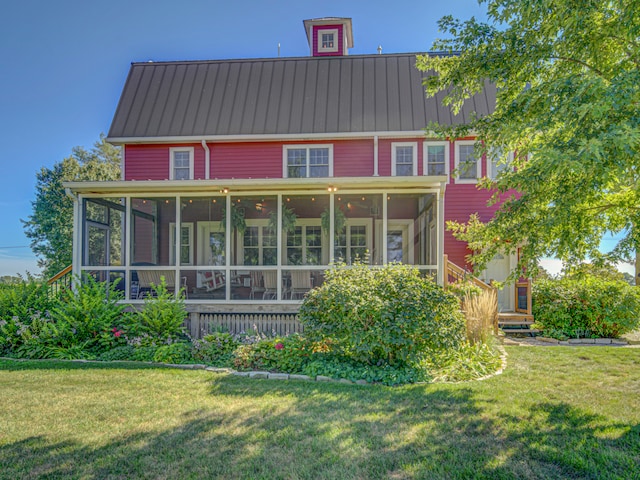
50,226
567,74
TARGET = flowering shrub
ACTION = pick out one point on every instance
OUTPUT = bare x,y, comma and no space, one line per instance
175,353
216,348
282,354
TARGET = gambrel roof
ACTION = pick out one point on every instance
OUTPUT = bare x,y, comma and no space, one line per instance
281,96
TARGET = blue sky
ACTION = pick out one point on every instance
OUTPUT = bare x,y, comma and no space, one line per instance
64,64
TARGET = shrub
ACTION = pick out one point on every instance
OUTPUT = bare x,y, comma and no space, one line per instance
124,352
175,353
389,315
585,306
216,348
144,354
163,314
89,315
23,299
282,354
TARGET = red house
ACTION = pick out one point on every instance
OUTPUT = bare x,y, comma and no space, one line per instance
246,179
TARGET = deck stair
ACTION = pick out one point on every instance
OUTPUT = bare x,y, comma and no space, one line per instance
516,323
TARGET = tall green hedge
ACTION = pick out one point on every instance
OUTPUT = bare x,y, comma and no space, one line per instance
586,306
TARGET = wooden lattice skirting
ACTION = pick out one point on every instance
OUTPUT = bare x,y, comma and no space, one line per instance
200,324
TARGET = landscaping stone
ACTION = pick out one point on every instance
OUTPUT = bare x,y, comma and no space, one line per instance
582,341
218,370
548,340
603,341
240,374
300,377
362,382
278,376
322,378
563,342
345,381
619,341
258,374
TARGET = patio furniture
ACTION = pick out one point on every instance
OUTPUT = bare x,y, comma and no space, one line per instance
257,285
147,279
270,278
212,280
300,283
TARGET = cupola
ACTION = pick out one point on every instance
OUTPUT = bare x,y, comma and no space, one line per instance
329,36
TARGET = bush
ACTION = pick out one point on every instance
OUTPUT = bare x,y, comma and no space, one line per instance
382,316
587,306
24,299
175,353
124,352
215,349
162,315
280,354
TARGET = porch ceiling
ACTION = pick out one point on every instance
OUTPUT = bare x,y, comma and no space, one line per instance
275,185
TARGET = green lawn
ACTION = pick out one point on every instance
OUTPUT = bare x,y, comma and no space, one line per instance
557,412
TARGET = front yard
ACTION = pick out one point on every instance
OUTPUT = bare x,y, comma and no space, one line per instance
557,412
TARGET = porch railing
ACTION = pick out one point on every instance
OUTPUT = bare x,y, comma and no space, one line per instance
454,273
61,280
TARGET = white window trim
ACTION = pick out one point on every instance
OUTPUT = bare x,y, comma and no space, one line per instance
425,156
172,151
358,222
490,167
173,235
457,164
285,149
394,146
253,222
335,32
307,222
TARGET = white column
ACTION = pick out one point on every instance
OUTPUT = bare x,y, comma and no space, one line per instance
440,223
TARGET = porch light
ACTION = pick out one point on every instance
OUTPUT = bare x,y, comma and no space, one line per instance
332,189
224,190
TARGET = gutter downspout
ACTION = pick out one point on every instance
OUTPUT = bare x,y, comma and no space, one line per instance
207,160
375,156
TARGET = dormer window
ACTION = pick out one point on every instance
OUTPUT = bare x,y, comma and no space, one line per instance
327,40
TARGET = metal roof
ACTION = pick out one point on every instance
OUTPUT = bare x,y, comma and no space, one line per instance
282,96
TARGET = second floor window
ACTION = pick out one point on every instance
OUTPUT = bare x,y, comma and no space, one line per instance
436,158
404,161
308,162
181,164
467,162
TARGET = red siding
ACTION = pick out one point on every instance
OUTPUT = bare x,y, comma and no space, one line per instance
246,160
353,158
151,162
314,41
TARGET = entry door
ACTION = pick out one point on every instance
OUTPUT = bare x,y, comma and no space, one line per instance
498,270
400,241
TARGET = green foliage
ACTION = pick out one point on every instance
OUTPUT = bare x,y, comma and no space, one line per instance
468,362
216,349
179,352
50,225
90,314
123,352
587,306
568,88
281,354
390,315
23,299
144,354
163,314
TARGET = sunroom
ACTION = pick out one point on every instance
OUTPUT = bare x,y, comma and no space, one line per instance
271,249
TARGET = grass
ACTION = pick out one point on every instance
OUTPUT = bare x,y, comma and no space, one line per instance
557,412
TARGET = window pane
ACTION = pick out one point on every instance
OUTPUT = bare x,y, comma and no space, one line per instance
404,161
297,172
435,160
468,163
